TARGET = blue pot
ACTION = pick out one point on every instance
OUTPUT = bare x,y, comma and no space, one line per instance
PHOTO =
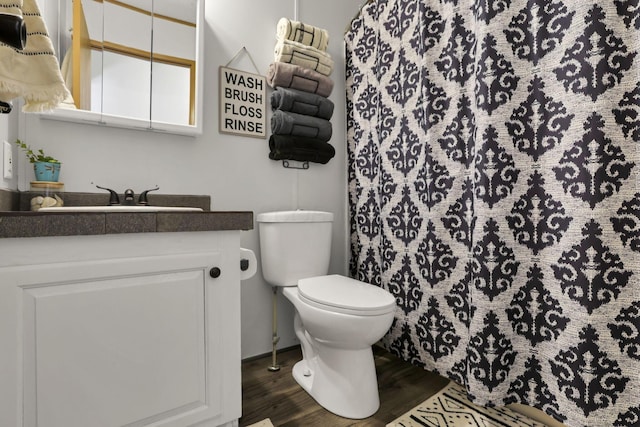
47,171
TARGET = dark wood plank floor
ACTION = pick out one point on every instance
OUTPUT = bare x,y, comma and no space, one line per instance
277,396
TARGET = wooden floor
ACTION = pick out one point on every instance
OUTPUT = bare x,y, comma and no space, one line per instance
277,396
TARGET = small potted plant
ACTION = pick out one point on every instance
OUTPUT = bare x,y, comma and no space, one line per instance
47,168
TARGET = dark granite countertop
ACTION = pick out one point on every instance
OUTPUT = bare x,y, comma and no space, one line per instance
24,223
35,224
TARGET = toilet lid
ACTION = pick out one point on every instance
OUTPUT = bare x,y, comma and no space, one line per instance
345,295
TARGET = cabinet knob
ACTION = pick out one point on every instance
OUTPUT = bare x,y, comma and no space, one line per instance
215,272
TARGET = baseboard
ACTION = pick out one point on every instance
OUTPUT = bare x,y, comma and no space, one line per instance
263,355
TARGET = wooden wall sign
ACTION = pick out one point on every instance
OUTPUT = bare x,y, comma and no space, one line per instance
242,103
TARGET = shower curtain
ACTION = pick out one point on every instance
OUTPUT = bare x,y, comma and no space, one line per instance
494,190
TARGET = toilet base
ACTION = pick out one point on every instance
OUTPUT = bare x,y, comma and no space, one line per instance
342,381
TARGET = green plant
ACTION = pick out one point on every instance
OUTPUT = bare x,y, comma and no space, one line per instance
37,156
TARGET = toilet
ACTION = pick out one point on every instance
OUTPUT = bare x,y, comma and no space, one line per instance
337,318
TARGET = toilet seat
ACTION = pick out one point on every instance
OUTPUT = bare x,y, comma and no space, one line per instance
340,294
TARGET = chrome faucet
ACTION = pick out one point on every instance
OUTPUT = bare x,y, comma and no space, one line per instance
129,199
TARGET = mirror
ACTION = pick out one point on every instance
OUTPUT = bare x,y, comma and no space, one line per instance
132,63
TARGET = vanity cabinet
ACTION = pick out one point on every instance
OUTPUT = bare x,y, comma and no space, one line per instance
120,330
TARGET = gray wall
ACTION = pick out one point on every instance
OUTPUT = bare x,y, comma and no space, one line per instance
235,171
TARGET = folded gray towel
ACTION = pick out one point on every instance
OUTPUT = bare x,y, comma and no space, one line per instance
285,147
281,74
284,123
297,101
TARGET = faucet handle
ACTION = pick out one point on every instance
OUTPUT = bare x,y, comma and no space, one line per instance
142,200
113,198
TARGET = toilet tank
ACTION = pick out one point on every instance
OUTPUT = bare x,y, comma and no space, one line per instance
294,245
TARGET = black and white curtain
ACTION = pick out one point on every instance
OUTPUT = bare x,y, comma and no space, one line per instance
494,186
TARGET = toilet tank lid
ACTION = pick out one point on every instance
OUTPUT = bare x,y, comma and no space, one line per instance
295,216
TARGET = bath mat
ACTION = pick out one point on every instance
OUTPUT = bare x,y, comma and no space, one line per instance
264,423
451,408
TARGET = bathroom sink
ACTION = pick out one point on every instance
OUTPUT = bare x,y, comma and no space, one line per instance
119,208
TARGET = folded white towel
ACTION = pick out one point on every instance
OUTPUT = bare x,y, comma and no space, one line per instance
33,73
303,33
305,56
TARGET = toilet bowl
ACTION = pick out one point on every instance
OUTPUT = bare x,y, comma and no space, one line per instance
337,319
337,368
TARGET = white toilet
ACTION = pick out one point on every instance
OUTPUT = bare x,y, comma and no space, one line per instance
337,318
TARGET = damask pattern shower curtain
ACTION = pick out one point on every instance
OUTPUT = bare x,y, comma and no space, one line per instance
494,189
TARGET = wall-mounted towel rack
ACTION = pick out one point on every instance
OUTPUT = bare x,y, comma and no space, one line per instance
286,164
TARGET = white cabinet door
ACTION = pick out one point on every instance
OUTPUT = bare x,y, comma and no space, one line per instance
130,341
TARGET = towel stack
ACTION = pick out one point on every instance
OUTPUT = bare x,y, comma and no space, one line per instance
300,73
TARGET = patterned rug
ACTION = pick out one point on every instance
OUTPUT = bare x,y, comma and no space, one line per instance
451,408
